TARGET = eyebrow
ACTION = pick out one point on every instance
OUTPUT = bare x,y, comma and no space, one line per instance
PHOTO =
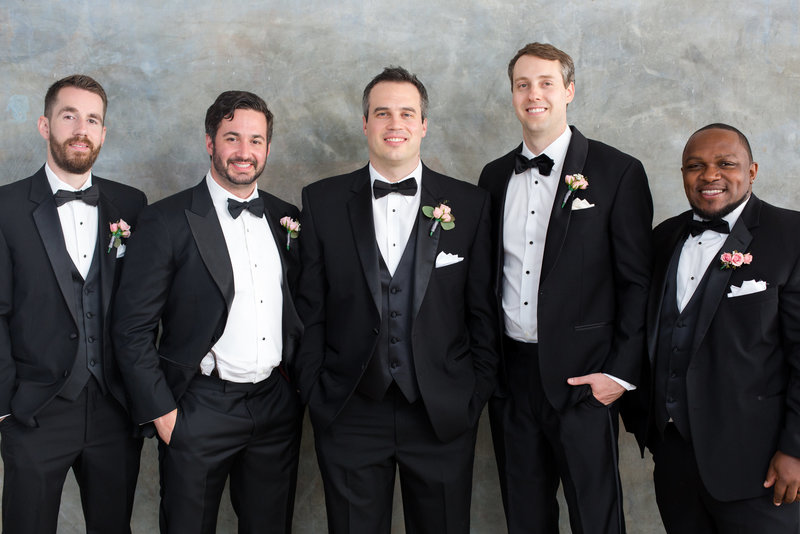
386,108
237,134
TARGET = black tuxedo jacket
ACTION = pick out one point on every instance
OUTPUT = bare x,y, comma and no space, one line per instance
453,340
38,310
743,382
179,274
595,270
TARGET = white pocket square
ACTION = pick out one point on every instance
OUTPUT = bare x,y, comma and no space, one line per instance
581,204
445,258
120,251
748,287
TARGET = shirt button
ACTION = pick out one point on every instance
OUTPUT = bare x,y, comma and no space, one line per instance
92,363
525,303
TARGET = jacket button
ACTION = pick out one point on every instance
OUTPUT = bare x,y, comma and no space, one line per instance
375,331
66,374
73,336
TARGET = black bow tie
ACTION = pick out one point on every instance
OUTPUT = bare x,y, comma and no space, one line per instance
406,187
542,161
715,225
255,206
90,195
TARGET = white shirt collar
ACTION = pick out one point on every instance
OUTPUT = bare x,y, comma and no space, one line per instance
557,150
57,183
220,195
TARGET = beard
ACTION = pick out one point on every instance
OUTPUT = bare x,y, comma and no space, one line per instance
233,176
75,163
722,212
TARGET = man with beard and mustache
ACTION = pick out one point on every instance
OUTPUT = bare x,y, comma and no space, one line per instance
721,392
215,267
62,402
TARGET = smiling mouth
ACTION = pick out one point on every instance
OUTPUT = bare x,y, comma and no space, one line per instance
536,110
243,165
711,192
394,139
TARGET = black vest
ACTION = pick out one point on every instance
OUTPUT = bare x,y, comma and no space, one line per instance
89,358
675,335
393,359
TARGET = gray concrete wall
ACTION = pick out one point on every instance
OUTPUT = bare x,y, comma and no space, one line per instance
648,74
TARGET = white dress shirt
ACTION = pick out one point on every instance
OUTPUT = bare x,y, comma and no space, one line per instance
394,216
78,223
251,345
529,202
696,255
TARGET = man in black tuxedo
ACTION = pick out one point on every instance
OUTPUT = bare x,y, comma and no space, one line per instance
571,279
723,330
62,403
398,356
216,266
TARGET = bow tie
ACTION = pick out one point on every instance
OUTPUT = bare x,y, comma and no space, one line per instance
255,206
715,225
406,187
542,161
90,195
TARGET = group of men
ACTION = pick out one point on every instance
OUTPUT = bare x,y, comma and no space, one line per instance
396,306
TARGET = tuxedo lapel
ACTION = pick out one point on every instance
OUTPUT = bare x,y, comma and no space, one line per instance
363,227
559,217
207,232
427,245
107,213
718,279
661,270
45,216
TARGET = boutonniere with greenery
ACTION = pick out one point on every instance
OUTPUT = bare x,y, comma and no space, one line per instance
734,260
574,182
441,214
119,230
292,229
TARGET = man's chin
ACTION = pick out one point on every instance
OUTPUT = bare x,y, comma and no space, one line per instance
711,213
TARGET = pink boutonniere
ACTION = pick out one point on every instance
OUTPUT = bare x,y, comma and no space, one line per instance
441,214
292,229
733,260
574,182
119,230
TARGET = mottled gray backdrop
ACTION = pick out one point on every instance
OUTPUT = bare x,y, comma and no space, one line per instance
648,74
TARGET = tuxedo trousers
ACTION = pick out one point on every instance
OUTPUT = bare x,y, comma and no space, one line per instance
536,446
686,507
248,432
368,442
93,436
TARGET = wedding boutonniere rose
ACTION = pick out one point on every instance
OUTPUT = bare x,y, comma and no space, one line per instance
574,182
733,260
119,230
441,214
292,229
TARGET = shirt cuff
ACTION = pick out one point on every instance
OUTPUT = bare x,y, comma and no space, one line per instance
627,385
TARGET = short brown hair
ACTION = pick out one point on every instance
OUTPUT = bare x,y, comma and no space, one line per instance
399,75
548,52
80,81
226,105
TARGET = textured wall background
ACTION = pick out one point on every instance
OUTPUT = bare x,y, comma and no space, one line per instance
648,74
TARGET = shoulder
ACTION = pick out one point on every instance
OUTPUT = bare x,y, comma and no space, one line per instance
14,190
120,192
333,187
498,167
278,207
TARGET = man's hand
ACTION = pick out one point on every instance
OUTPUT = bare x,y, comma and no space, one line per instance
784,474
165,424
604,389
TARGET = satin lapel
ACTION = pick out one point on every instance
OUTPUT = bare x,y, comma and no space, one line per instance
504,179
659,282
107,213
363,227
559,217
45,216
208,236
427,245
718,279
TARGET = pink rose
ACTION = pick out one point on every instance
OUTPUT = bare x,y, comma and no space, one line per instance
737,259
446,217
748,258
726,257
438,212
114,227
